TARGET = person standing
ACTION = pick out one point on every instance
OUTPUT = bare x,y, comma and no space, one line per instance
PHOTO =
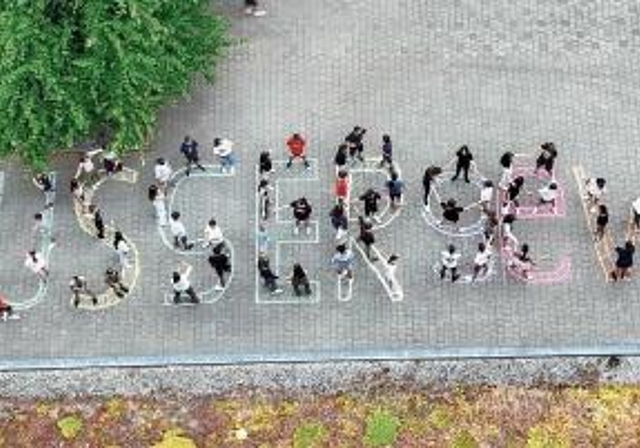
263,240
189,149
221,264
6,310
522,261
387,152
506,162
367,238
481,261
507,230
486,196
390,276
111,163
624,261
449,260
429,177
300,281
463,163
547,158
264,200
301,214
36,263
395,188
514,189
339,221
182,285
355,145
602,220
341,188
596,188
157,198
41,232
251,8
340,159
78,286
44,183
98,221
86,171
179,232
80,196
162,172
268,276
213,236
635,212
370,199
122,249
113,281
265,165
297,150
548,195
343,261
223,148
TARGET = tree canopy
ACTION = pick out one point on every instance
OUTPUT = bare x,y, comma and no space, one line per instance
69,68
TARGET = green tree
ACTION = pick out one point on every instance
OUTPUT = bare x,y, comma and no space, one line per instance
70,68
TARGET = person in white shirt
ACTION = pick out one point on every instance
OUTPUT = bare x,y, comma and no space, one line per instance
507,230
486,195
595,191
481,261
635,210
122,249
162,172
157,198
548,195
390,268
213,236
449,260
223,149
35,262
182,285
179,232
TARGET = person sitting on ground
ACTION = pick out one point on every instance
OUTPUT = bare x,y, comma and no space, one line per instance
302,211
451,211
181,285
449,261
481,261
44,183
548,195
78,286
522,261
111,163
113,281
6,310
486,195
221,264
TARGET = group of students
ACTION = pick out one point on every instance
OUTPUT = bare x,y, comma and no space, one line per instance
510,188
213,238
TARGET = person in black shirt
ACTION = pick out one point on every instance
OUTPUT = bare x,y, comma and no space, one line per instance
465,159
220,263
340,159
300,281
367,237
268,276
513,191
451,211
602,219
189,148
624,261
354,143
387,152
547,158
98,221
370,199
266,165
301,213
429,177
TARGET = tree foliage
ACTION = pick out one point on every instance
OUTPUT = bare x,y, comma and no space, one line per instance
69,68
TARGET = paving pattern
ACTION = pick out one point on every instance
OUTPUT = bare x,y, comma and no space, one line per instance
496,76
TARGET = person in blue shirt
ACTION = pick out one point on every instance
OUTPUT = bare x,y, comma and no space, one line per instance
395,187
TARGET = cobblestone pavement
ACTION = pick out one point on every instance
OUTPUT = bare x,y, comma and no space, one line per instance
495,75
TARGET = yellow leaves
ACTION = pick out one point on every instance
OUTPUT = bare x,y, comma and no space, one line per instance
175,438
440,417
114,408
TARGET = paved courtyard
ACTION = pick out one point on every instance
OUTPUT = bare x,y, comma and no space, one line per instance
497,76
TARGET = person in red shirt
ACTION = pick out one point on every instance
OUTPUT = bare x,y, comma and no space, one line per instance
297,147
341,188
